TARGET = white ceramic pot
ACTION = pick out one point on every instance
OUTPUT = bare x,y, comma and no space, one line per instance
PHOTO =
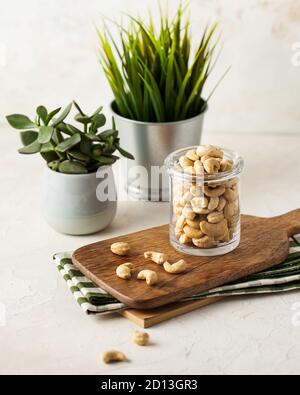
71,205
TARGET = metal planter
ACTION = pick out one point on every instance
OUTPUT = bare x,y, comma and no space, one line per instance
151,143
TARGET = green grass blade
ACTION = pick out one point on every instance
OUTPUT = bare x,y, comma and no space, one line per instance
151,70
155,96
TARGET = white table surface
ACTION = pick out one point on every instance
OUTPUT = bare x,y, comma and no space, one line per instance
47,333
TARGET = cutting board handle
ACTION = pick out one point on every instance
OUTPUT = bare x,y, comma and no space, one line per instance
289,221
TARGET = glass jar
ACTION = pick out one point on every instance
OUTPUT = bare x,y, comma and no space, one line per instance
205,208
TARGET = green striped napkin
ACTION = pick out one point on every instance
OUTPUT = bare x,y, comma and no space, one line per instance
93,300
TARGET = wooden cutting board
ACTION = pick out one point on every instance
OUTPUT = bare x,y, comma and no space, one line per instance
149,318
264,244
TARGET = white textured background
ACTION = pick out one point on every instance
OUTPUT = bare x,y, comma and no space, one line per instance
48,55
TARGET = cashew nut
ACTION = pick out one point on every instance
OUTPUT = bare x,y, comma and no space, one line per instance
212,165
156,257
231,194
190,170
214,192
184,239
149,275
196,190
180,223
120,248
199,202
113,356
215,152
201,150
185,162
204,242
188,213
222,204
230,210
193,224
141,338
203,211
211,151
177,199
213,230
213,203
192,233
216,184
226,165
177,234
226,237
231,183
178,210
199,205
192,155
215,217
186,198
125,271
175,268
204,158
198,166
233,221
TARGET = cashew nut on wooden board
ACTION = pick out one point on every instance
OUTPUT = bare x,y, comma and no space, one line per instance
121,249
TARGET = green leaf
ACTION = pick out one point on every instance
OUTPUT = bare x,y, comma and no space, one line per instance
42,113
45,134
97,150
156,98
49,156
93,137
124,153
32,148
108,133
78,155
99,120
57,137
62,127
97,111
86,145
28,137
78,108
72,129
106,160
19,121
84,119
68,129
113,121
52,115
72,167
62,155
48,147
69,143
62,116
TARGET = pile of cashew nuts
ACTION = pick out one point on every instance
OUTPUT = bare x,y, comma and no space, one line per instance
126,270
206,213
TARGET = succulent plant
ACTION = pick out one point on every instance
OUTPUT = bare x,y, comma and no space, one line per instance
67,148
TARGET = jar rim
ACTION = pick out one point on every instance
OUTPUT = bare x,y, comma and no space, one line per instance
172,162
